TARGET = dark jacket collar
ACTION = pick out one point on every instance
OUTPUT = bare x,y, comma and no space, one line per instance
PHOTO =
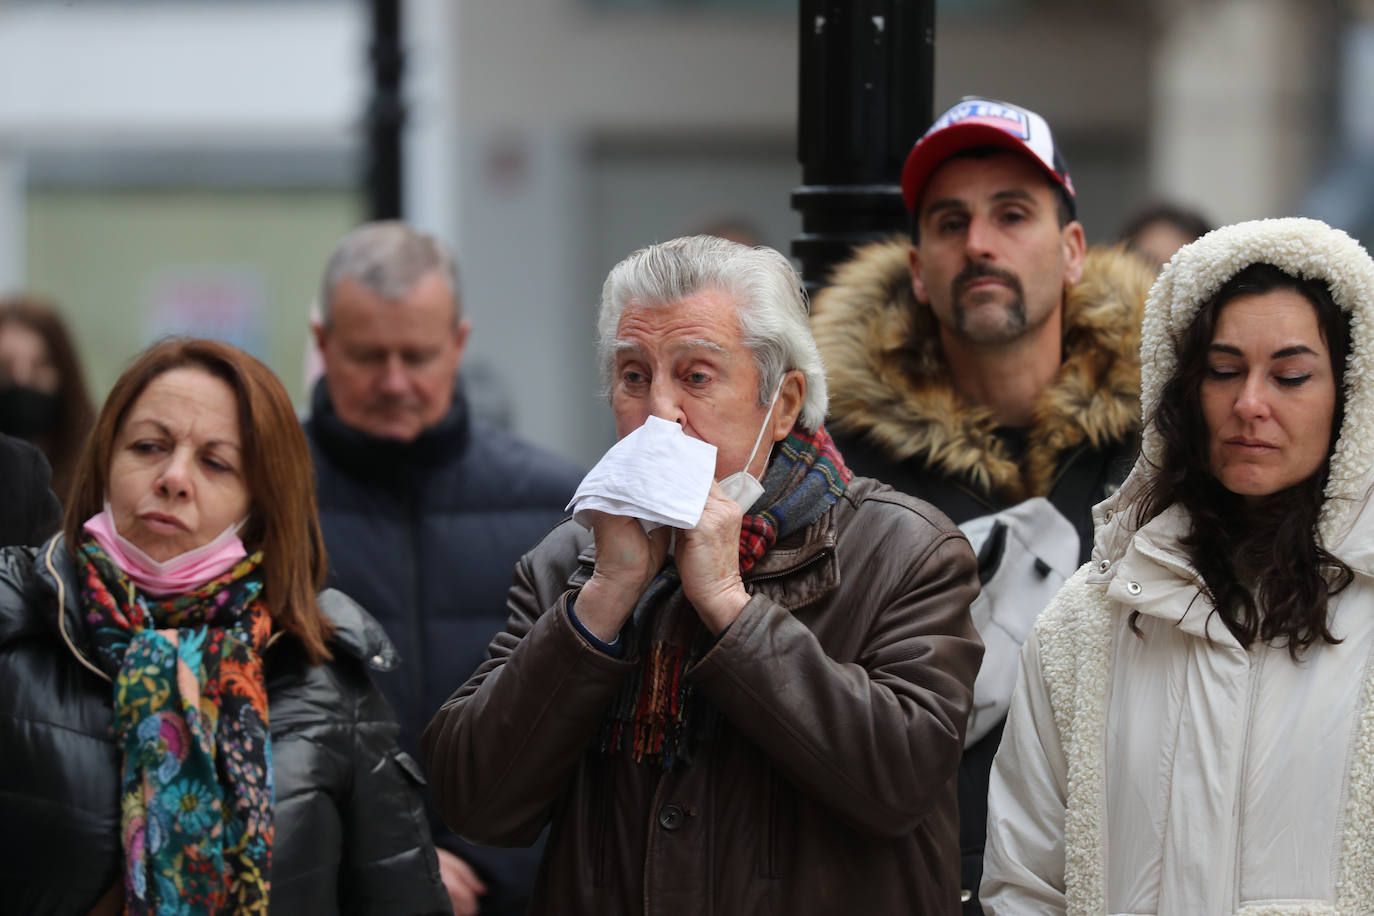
367,455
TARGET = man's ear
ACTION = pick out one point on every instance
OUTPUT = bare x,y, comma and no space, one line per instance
1075,249
319,333
791,397
918,284
460,341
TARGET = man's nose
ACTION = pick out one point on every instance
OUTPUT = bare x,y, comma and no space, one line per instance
665,401
978,238
394,379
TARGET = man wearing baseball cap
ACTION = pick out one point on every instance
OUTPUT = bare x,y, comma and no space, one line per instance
989,365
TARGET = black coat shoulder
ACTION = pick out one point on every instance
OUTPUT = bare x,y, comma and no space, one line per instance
29,512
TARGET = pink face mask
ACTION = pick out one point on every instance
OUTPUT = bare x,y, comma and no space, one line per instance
182,573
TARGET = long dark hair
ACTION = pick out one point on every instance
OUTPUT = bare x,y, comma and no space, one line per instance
1262,563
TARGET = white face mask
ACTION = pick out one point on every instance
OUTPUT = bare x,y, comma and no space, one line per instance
741,486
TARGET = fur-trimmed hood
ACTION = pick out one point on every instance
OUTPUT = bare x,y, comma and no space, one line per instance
889,382
1305,248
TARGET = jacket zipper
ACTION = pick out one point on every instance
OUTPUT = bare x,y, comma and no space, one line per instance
1237,811
409,493
1063,468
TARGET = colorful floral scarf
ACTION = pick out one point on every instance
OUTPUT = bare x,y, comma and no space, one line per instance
190,718
805,477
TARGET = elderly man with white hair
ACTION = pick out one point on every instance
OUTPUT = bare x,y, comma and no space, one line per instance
760,712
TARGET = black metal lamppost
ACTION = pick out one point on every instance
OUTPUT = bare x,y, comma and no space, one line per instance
386,112
867,86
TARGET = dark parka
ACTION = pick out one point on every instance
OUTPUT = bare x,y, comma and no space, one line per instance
349,826
895,415
828,784
425,535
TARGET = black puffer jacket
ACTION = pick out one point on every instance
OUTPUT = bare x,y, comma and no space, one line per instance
426,535
350,833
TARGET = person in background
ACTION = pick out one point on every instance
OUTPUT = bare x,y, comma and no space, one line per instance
987,364
1190,732
1156,231
43,396
188,724
424,508
765,716
29,512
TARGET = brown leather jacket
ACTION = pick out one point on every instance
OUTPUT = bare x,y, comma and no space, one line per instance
829,786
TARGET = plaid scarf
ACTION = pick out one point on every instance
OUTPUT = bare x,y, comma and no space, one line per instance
190,718
654,710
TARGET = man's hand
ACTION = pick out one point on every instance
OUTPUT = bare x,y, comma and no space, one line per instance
708,559
461,882
626,562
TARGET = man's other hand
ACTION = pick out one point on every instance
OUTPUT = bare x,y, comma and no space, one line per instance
708,559
461,882
626,562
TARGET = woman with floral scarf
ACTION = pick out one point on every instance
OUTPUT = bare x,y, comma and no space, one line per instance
187,726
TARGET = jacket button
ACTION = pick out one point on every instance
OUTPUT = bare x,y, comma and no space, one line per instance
965,895
378,661
1133,588
1104,566
670,817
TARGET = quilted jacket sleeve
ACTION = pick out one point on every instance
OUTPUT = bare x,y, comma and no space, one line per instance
1023,867
389,862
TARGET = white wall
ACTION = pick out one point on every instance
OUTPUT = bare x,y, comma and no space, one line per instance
93,79
1239,112
181,75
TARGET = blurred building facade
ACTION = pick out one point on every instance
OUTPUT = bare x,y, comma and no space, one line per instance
190,164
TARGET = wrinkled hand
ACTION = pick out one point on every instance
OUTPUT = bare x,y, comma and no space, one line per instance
626,562
708,560
461,882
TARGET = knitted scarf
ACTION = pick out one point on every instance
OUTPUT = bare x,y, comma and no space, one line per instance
655,709
190,719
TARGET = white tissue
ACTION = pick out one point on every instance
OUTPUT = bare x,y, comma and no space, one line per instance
657,474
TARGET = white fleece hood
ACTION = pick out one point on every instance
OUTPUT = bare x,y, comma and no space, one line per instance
1305,248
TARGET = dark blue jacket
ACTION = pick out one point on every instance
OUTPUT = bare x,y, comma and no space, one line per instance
426,535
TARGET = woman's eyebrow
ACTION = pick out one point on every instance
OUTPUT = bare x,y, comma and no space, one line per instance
1284,353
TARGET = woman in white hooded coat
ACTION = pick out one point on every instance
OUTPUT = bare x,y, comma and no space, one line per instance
1192,731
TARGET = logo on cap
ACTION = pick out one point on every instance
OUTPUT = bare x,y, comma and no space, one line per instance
1002,117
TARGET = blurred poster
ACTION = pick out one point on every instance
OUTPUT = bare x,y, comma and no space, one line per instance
222,302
